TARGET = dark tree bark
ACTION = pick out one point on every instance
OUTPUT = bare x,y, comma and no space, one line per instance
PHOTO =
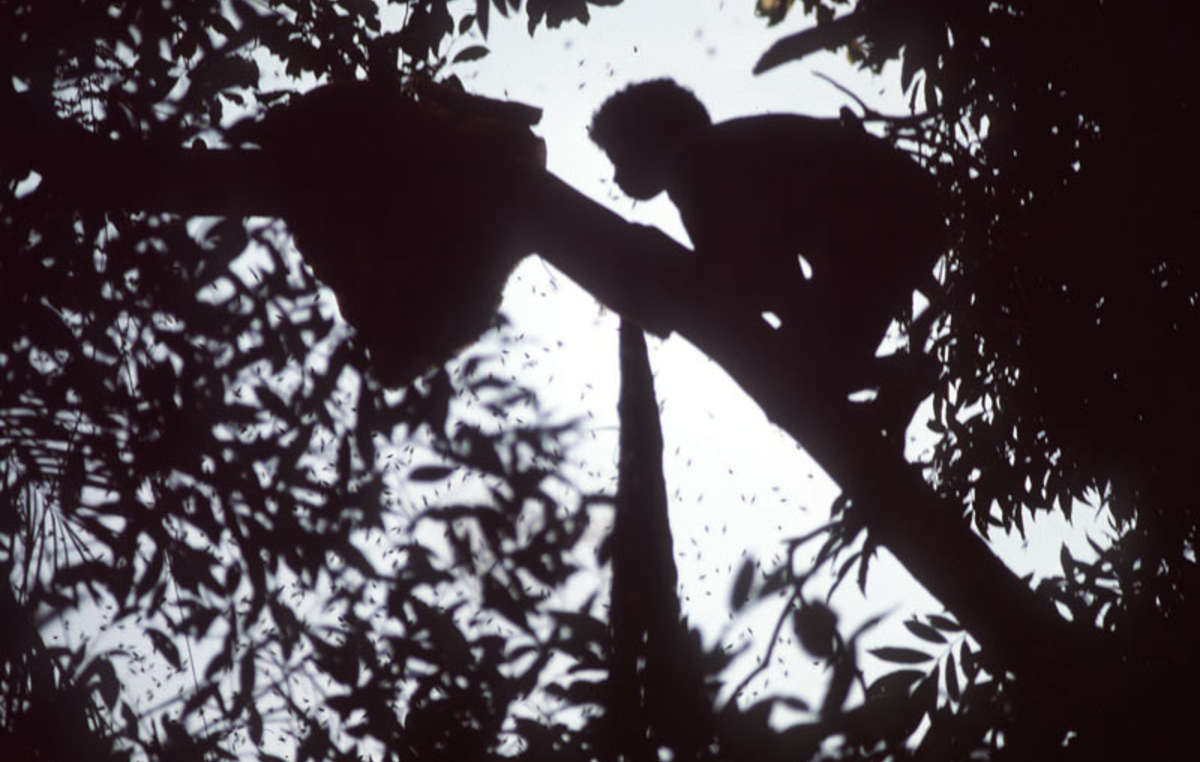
657,695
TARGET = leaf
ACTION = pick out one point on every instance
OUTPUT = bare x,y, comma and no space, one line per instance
846,566
274,403
794,702
815,626
498,598
152,573
925,694
200,697
866,626
465,23
220,662
838,689
285,619
1068,563
943,623
71,482
222,25
952,678
344,704
164,646
353,557
131,720
246,680
894,683
931,100
430,473
473,53
1065,502
900,655
869,548
481,11
256,725
908,67
968,659
741,586
110,686
924,631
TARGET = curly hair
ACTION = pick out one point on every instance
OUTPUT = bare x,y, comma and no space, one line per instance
648,115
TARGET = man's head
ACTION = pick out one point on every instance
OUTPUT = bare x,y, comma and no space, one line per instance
642,128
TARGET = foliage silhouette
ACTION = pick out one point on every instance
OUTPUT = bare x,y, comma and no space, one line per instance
149,422
187,427
1052,128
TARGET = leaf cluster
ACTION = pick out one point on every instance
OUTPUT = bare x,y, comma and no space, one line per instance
1071,314
190,445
